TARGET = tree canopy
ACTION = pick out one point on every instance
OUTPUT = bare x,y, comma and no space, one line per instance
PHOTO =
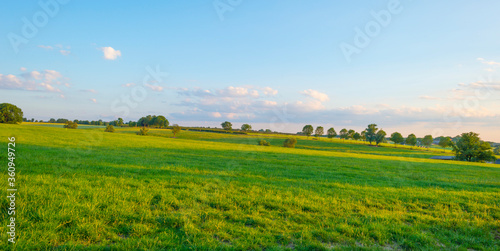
371,132
227,126
444,142
331,133
397,138
380,136
411,140
246,127
319,131
427,140
471,148
10,114
307,130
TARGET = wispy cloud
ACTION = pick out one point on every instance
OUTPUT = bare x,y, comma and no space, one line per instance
46,80
315,95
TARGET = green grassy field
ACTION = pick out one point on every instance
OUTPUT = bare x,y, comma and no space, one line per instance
87,189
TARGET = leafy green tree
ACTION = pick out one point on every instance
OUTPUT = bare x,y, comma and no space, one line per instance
10,114
159,121
380,136
71,125
119,122
110,128
227,126
290,142
319,131
350,134
444,142
331,133
246,127
470,148
356,136
411,140
176,129
397,138
308,130
427,141
132,124
497,150
371,132
344,134
363,135
145,121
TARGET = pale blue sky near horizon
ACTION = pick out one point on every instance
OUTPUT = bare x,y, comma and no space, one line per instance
432,69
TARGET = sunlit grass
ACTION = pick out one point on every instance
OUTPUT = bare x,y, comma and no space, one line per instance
90,189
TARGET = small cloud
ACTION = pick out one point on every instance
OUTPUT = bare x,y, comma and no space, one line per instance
316,95
62,96
110,53
216,114
46,47
65,52
89,90
268,91
489,70
49,87
428,97
23,69
155,88
93,100
128,85
482,60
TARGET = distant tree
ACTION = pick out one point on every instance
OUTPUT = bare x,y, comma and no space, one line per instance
371,132
319,131
132,124
397,138
427,141
356,136
119,122
331,133
350,134
290,142
32,120
71,125
143,131
246,127
110,128
307,130
268,131
176,129
380,136
363,135
10,114
227,126
444,142
470,148
344,134
145,121
263,143
60,120
159,121
411,140
497,150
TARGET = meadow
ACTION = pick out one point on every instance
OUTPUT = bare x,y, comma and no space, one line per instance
85,189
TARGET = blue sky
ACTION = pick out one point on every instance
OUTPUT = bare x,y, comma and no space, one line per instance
426,67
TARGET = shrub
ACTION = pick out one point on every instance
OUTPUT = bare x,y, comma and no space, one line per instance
290,142
264,143
176,129
143,131
71,125
110,128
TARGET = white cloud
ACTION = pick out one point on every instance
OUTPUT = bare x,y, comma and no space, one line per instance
46,47
482,60
93,100
128,85
33,81
155,88
216,114
23,69
428,97
110,53
315,95
268,91
65,52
